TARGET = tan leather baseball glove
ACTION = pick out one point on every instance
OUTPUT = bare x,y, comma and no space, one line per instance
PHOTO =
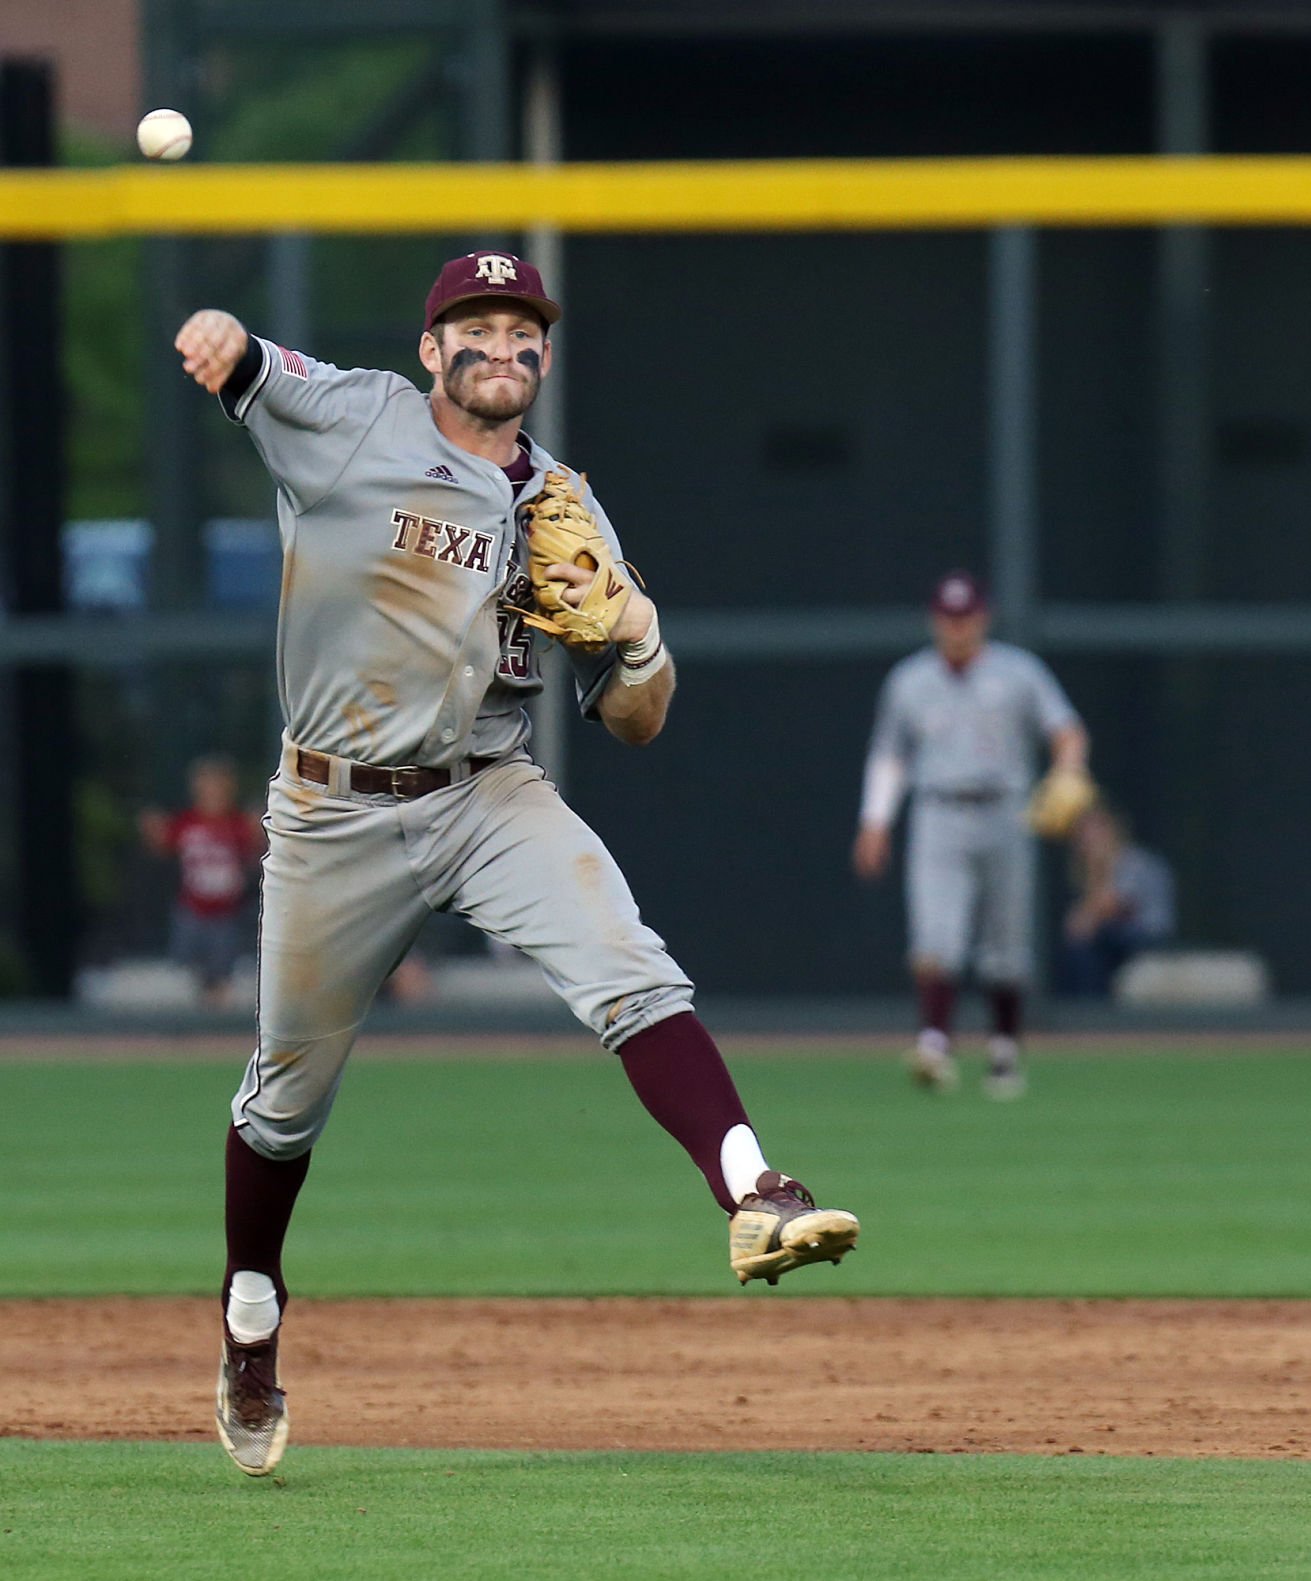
560,529
1059,800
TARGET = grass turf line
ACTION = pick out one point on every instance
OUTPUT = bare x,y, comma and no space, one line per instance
1118,1175
120,1511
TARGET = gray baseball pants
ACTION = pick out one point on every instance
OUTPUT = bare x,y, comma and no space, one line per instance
969,888
348,881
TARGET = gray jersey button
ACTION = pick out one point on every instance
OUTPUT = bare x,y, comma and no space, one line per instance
448,734
468,671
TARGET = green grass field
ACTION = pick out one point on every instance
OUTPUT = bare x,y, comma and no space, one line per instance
123,1513
1121,1174
1128,1172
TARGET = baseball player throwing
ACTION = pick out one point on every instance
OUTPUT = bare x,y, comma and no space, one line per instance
426,544
955,726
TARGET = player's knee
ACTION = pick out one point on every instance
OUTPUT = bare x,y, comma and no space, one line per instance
1012,973
929,967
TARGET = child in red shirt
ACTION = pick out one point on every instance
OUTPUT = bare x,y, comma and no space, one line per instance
217,844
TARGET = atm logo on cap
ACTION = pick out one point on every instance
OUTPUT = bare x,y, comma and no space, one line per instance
496,268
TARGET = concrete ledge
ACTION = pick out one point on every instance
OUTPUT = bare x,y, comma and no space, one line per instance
1193,977
163,988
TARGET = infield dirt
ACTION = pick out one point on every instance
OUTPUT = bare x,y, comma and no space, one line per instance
1191,1378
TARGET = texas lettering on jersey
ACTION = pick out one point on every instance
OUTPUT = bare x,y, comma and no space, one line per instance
445,541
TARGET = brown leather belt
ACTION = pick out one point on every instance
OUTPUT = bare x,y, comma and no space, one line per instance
965,798
373,780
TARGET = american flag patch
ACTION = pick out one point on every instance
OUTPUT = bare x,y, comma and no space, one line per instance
293,363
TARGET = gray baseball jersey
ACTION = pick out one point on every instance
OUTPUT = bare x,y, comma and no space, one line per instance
400,642
972,730
967,740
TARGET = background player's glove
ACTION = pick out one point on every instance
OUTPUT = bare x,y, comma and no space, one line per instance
560,530
1059,800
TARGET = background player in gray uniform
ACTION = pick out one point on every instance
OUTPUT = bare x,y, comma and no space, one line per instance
956,726
405,785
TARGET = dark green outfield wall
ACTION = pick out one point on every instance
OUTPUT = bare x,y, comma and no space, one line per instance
802,419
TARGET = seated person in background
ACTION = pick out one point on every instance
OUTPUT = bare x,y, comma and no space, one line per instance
1125,904
218,845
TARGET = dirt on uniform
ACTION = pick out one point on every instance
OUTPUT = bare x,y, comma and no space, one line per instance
1131,1377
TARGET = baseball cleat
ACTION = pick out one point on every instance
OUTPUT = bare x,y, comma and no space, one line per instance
1004,1078
777,1227
251,1409
1004,1082
932,1069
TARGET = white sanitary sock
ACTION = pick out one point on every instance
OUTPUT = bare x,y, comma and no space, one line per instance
253,1312
1003,1051
741,1160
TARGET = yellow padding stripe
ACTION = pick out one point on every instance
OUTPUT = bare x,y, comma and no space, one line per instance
796,195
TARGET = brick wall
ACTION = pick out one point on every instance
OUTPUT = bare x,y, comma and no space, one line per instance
94,44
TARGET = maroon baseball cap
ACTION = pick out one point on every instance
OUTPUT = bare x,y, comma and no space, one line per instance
958,593
488,274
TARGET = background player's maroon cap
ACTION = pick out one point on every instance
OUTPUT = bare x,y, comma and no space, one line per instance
958,593
488,274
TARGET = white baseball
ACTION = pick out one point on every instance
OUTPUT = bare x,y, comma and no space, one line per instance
164,134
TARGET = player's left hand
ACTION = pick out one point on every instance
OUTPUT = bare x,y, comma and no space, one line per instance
635,620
